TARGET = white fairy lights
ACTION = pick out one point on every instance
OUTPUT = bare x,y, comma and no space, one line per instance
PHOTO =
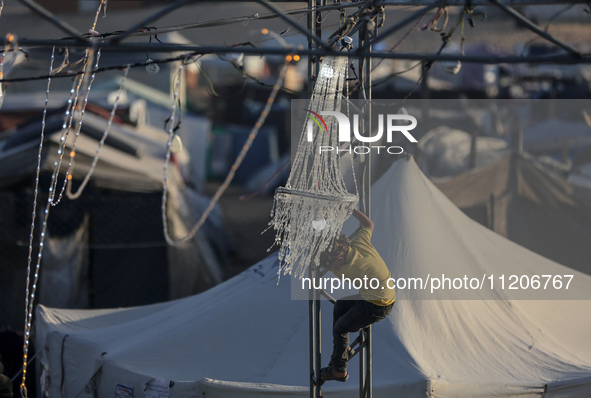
87,83
66,127
30,297
83,80
31,288
102,5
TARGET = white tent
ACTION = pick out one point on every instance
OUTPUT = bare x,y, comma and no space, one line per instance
246,337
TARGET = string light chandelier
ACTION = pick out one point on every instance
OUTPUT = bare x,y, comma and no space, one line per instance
311,209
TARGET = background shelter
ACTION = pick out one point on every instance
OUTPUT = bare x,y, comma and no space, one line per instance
519,199
107,248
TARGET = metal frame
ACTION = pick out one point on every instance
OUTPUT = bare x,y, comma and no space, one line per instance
362,343
192,50
77,40
316,48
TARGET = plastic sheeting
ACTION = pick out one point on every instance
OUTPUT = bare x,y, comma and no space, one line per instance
446,152
248,330
64,280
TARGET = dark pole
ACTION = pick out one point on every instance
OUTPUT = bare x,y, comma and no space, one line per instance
317,32
53,19
534,28
192,50
318,337
151,18
473,148
362,34
313,309
368,348
367,33
283,15
370,33
388,32
312,328
491,224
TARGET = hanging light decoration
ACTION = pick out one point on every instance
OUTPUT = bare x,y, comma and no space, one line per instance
8,58
311,209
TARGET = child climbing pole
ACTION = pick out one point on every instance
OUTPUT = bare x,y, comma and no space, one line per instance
355,259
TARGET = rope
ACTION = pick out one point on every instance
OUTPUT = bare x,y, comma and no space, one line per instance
222,188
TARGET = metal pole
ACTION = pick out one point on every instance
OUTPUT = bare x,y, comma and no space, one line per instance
312,328
361,365
365,67
472,158
534,28
140,25
312,295
368,95
367,393
314,298
192,50
369,367
311,58
318,339
491,224
309,33
317,33
362,33
63,25
411,18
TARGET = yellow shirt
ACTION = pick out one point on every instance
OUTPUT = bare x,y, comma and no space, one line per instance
364,264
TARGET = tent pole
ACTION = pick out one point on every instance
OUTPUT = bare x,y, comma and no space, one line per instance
491,223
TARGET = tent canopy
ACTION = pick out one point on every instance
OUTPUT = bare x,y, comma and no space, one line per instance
246,337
